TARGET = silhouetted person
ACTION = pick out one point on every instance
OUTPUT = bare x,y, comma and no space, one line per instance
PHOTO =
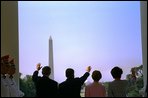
72,86
45,87
95,89
118,87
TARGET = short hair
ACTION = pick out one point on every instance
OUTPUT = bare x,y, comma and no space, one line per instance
46,70
69,73
116,72
96,75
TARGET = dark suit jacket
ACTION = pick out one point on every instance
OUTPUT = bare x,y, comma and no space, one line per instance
72,87
45,87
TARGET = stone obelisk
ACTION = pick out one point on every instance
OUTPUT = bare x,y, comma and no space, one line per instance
51,58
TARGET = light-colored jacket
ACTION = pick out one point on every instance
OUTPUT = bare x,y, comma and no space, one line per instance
5,91
14,90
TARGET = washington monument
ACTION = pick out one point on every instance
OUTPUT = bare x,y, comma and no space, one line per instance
51,58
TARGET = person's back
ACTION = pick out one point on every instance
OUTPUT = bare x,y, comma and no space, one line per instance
72,86
45,87
95,89
118,87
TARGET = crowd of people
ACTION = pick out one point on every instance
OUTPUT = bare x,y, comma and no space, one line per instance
71,87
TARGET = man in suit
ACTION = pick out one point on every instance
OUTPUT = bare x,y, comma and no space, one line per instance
71,87
45,87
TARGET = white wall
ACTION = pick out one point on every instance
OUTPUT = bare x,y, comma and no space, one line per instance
143,8
9,32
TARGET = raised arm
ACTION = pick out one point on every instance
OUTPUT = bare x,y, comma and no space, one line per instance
35,74
85,76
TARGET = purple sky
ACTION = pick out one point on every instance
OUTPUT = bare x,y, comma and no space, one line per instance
102,34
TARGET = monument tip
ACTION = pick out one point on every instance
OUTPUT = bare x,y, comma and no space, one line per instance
50,38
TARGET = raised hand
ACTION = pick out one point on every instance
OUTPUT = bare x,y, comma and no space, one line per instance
88,69
38,66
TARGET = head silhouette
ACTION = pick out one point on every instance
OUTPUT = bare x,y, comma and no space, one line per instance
46,71
96,75
69,73
116,72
